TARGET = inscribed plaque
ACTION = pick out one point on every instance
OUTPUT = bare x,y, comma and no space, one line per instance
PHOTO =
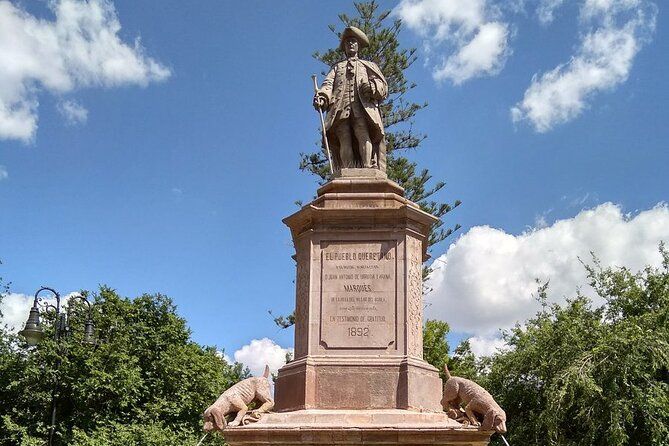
358,294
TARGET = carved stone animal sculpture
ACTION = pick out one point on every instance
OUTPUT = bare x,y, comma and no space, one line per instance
476,401
236,399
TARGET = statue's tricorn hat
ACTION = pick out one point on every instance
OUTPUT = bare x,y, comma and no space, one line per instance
352,31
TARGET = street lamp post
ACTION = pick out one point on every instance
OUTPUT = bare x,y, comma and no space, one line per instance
33,334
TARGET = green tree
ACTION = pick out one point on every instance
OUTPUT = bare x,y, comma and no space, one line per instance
464,363
436,352
144,383
581,374
435,344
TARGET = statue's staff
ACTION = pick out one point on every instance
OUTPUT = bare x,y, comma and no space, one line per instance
320,113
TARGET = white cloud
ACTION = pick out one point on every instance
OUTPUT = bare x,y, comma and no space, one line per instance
615,31
260,352
73,112
223,356
486,279
3,173
513,6
540,221
607,8
79,48
15,308
476,44
486,346
484,54
546,10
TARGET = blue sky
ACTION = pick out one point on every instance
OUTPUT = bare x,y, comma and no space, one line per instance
172,173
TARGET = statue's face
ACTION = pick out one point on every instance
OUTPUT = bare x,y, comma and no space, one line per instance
351,46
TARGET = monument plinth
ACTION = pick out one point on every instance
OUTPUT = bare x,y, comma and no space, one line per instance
354,428
359,247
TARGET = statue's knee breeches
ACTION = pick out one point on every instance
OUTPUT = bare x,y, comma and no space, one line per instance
346,153
361,130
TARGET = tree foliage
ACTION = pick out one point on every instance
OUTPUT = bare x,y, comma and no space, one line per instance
435,344
581,374
436,351
144,383
464,363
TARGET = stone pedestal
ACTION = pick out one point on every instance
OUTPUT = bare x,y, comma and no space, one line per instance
358,376
358,333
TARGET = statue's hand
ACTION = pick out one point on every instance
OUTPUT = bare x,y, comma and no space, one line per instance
368,90
320,102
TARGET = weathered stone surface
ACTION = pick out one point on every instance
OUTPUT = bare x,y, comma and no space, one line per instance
362,172
346,427
358,338
358,382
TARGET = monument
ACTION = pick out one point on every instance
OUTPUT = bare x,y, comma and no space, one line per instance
358,375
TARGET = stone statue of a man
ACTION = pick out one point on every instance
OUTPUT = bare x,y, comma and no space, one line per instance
351,93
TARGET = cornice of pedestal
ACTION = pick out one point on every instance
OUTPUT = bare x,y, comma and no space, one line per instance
370,212
363,202
358,361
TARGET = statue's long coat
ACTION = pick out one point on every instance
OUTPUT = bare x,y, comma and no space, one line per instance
333,89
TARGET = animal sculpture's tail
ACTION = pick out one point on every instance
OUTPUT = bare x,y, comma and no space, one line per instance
446,372
266,372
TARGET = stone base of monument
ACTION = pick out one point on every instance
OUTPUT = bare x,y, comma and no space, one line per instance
356,427
358,382
359,377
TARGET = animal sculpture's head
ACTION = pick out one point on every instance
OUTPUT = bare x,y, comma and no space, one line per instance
214,419
499,422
